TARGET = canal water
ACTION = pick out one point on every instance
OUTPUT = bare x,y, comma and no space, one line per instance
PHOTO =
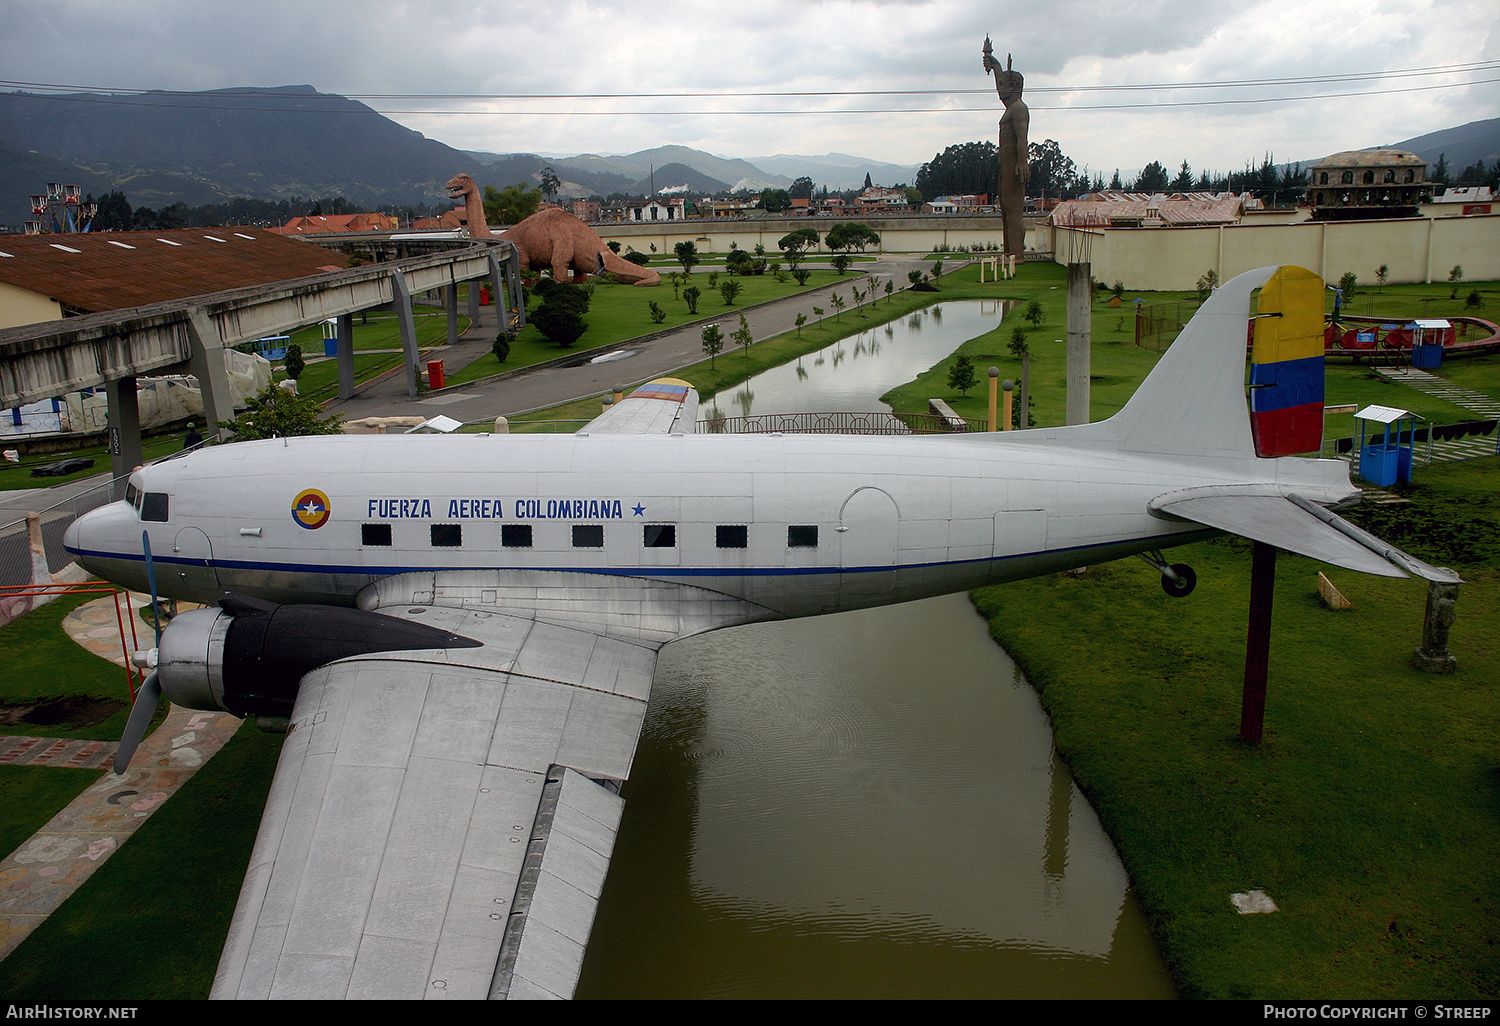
851,375
861,805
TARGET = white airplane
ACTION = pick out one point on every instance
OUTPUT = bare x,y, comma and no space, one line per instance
460,632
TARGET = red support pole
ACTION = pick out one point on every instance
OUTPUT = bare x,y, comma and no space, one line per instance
1258,642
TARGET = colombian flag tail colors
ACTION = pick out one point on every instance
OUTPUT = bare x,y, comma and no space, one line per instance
1286,365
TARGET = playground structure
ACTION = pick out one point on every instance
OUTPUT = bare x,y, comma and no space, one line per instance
1384,337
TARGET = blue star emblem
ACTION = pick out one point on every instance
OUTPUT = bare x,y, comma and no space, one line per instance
638,510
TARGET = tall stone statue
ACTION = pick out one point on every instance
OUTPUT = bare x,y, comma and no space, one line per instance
1015,162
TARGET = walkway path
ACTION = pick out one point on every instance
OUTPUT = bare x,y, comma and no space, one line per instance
549,386
39,875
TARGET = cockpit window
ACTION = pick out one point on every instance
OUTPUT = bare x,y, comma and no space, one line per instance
154,507
133,496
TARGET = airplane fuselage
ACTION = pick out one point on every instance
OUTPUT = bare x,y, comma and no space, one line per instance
797,524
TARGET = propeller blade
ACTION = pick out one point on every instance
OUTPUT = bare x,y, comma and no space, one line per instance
151,580
140,718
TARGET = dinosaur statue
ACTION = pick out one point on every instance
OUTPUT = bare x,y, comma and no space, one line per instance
551,240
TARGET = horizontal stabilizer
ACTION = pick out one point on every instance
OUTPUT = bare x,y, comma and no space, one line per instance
1297,525
661,407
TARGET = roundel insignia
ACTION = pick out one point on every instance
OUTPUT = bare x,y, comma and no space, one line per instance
311,509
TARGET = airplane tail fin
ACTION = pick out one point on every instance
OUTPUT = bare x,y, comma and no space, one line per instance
1193,401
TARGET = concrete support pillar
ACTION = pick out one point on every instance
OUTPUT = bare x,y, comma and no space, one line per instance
1080,335
473,291
450,303
124,430
346,355
401,302
207,363
513,278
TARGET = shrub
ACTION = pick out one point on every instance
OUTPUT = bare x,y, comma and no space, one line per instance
501,346
294,364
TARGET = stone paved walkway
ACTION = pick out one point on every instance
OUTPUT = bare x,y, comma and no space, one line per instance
39,875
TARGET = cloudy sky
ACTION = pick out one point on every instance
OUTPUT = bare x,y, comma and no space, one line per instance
908,71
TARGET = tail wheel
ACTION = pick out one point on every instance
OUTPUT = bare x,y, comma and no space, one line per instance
1184,584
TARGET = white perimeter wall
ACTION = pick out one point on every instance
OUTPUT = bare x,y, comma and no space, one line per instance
1417,249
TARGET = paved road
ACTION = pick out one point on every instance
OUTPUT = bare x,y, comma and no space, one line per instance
548,386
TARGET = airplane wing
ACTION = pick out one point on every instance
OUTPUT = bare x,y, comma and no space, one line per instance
661,407
441,820
1293,523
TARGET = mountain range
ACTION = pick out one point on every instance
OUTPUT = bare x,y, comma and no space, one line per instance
275,143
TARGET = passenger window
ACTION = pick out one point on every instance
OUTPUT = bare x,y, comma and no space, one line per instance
447,536
802,536
735,536
375,534
588,536
515,536
660,536
154,507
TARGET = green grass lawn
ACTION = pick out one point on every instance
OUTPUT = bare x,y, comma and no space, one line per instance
618,313
1371,811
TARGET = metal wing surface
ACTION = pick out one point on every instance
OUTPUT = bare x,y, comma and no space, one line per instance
441,821
660,407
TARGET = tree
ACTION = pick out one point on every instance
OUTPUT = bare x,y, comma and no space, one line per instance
1184,180
1034,312
294,364
775,200
801,274
560,317
1382,273
274,412
802,188
1115,183
713,342
867,181
729,289
550,182
1018,345
1153,178
1052,173
801,320
657,313
838,304
511,205
687,255
795,243
840,262
501,346
113,214
851,235
1207,284
1439,174
962,168
961,375
742,336
690,296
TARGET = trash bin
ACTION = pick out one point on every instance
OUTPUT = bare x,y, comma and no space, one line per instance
484,295
434,373
330,347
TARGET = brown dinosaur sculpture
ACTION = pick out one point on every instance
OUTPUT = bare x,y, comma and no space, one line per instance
551,240
461,186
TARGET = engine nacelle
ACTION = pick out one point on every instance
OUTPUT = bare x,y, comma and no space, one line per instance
248,656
